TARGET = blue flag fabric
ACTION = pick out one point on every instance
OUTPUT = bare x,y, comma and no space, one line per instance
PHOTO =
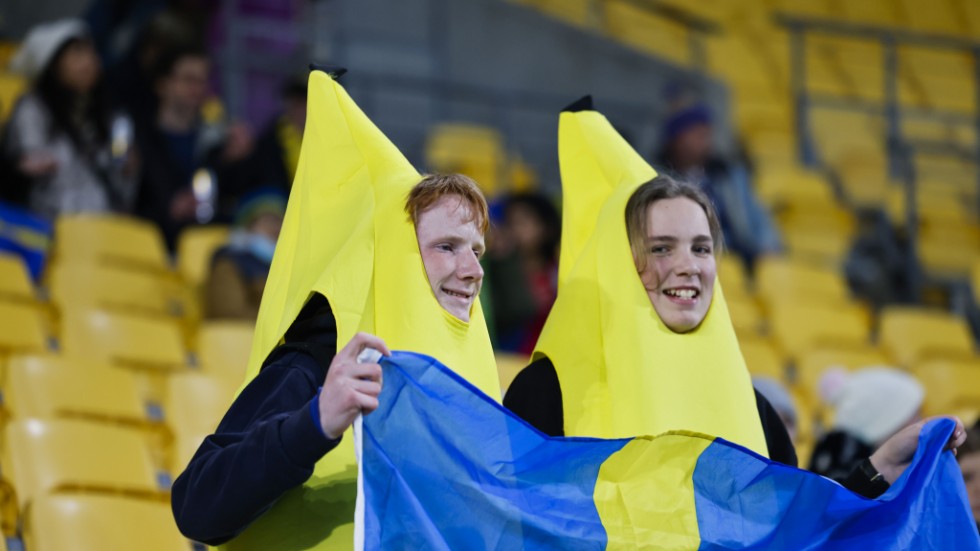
24,234
443,466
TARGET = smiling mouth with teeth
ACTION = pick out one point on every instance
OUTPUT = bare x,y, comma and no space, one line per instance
682,293
456,294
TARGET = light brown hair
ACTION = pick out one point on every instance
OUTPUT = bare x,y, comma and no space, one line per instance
434,187
665,187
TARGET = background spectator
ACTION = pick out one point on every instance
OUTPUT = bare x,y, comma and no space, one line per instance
178,142
67,152
240,268
277,148
523,270
781,401
688,152
869,406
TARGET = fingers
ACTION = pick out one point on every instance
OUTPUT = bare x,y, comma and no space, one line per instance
367,372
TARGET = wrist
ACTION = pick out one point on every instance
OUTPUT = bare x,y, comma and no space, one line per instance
875,468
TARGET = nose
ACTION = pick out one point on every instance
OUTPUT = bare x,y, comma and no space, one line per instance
686,265
469,267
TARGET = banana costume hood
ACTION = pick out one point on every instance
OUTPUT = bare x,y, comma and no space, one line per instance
346,236
622,372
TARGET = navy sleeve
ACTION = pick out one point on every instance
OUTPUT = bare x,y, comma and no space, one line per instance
781,448
266,444
535,396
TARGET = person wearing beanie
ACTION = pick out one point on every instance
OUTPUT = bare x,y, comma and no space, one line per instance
870,405
239,269
688,152
67,152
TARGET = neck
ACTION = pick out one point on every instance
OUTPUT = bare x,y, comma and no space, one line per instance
176,119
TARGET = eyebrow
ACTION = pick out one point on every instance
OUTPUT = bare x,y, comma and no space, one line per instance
674,239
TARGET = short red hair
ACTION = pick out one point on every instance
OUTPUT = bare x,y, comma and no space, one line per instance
434,187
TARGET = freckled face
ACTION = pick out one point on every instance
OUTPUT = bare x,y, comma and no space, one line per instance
678,267
451,244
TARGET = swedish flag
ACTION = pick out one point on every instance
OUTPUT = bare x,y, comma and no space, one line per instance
443,466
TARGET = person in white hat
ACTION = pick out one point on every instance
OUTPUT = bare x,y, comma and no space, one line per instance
870,405
68,154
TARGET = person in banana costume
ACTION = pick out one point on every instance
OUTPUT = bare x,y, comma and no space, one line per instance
371,255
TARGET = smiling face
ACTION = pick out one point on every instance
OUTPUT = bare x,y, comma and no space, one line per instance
451,243
678,263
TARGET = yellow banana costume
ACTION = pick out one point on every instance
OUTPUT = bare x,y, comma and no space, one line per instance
622,371
346,236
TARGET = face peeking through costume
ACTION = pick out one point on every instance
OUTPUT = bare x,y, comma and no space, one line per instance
673,234
451,244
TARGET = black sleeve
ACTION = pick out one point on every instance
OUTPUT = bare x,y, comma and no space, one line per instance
267,443
865,480
535,396
780,446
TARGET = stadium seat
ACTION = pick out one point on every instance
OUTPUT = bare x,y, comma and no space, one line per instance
49,387
98,522
224,347
746,315
124,340
21,328
508,366
69,455
15,283
195,247
783,280
195,404
11,88
911,335
762,358
811,365
951,385
732,274
477,151
109,239
99,286
800,327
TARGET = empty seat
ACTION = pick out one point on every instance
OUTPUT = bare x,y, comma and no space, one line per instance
44,456
910,335
951,385
99,286
15,283
811,365
195,404
124,340
746,315
763,358
477,151
110,239
782,280
21,328
48,387
802,327
195,247
224,347
96,523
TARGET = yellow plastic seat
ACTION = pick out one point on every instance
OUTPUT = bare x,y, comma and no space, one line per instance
109,288
110,239
763,358
21,328
508,366
746,315
223,348
951,385
49,387
69,455
97,523
195,404
783,280
799,328
124,340
15,283
195,247
474,150
911,335
11,88
811,365
731,272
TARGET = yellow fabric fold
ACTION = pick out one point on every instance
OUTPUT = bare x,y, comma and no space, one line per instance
622,371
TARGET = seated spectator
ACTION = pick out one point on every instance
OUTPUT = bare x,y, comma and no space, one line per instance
523,270
968,457
277,148
781,401
688,152
870,406
240,268
65,152
178,142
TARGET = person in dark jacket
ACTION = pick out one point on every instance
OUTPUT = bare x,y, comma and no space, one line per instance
304,397
683,258
969,460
